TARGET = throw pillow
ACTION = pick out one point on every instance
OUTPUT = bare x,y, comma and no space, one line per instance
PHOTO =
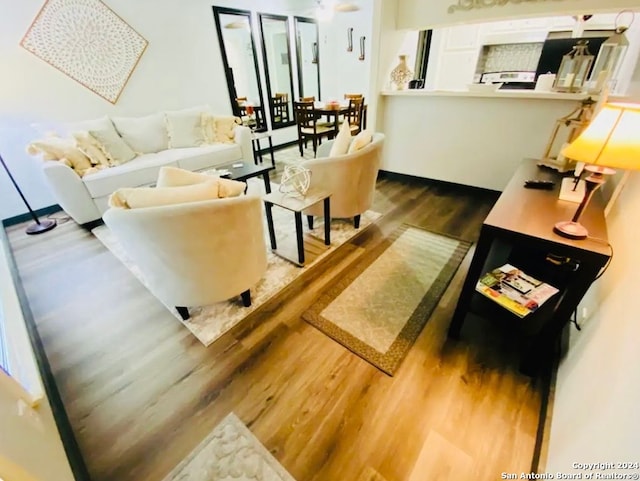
219,129
145,135
360,141
174,177
184,127
91,148
340,145
140,197
114,148
64,150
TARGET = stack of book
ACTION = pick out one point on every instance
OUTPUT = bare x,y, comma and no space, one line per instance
514,290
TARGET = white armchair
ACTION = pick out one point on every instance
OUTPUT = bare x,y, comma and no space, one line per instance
196,253
351,179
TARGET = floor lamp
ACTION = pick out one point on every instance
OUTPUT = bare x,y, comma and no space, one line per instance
39,226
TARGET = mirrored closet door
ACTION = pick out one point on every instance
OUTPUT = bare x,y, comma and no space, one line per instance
240,65
276,53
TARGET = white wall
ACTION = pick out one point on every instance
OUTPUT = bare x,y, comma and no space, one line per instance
421,14
595,412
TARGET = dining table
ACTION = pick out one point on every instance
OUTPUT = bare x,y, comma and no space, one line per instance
334,111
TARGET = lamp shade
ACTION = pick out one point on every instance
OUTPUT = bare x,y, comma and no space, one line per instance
612,139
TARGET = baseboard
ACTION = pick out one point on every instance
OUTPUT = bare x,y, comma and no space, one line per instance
69,442
286,145
385,174
19,219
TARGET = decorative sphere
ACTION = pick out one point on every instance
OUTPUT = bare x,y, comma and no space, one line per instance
295,180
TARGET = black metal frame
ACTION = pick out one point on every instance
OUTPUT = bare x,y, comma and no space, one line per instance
217,11
297,21
272,114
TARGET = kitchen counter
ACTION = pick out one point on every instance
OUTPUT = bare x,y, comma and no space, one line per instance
505,94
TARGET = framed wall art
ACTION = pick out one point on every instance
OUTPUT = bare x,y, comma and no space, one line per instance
88,42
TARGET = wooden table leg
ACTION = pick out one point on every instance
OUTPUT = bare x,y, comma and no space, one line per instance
469,286
327,221
299,237
272,233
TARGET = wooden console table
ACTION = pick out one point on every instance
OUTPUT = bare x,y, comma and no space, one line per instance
522,220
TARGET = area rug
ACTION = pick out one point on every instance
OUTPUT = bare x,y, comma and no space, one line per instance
208,323
230,453
379,306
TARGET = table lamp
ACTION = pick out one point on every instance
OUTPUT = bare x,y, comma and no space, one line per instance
612,140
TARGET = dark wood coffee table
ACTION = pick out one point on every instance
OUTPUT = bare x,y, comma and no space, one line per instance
248,171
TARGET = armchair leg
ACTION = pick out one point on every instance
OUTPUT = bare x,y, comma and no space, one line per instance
356,221
183,311
310,221
246,298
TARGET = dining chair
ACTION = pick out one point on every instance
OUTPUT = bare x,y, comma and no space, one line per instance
308,126
308,99
281,107
352,96
354,114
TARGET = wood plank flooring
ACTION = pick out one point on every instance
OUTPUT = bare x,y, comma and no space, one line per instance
141,392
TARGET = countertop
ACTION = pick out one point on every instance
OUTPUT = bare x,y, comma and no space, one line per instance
505,94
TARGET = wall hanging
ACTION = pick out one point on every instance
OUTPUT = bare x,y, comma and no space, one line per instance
471,4
361,57
88,42
350,39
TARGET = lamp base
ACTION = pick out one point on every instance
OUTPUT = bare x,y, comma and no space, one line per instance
41,227
571,230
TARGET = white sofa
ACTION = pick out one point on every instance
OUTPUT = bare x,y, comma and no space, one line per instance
85,198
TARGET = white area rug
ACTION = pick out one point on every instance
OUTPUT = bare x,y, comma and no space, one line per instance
230,453
208,323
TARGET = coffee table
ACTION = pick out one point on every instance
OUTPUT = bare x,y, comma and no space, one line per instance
297,205
247,171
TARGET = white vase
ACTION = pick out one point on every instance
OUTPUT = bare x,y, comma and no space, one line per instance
401,74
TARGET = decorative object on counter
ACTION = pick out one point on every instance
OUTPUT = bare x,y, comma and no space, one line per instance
361,57
350,39
401,74
88,42
610,141
545,82
567,128
574,68
472,4
295,180
610,56
39,226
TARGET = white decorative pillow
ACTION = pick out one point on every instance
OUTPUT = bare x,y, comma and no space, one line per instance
175,177
340,145
145,135
184,127
360,141
114,148
139,197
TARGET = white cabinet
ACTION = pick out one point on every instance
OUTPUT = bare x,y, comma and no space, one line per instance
457,56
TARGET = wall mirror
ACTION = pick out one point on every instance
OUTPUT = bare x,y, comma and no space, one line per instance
277,62
308,57
240,65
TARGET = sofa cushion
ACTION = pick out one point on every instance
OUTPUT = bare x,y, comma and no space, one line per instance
143,170
360,141
207,156
184,127
340,146
145,135
114,148
140,197
219,129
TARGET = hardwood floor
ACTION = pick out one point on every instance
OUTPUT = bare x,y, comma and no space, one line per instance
141,392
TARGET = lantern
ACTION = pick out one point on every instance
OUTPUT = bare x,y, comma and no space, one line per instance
609,59
574,69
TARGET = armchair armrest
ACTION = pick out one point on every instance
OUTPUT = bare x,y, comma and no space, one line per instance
324,148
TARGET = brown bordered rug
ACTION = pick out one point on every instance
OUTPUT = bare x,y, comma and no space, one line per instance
379,305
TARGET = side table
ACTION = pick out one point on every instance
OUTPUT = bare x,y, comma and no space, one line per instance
297,205
256,137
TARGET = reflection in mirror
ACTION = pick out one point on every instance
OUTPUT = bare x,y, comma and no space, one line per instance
277,62
308,58
240,65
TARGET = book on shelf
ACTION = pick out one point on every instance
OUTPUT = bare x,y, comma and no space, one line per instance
514,290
